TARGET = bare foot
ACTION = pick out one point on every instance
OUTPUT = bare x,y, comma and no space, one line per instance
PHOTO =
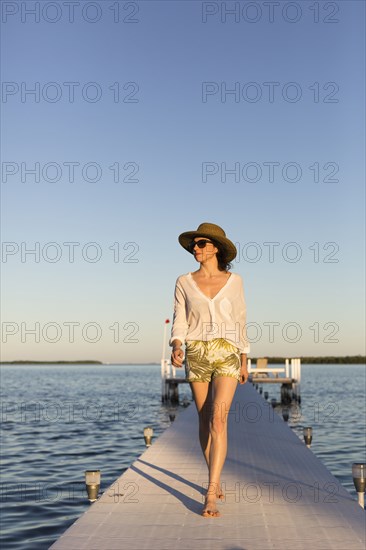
210,510
219,494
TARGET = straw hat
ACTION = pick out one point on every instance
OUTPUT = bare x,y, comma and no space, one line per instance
213,232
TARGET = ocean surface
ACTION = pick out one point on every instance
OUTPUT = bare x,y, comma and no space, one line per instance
58,421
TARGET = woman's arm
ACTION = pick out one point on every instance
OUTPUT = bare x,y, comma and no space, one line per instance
244,345
240,313
179,326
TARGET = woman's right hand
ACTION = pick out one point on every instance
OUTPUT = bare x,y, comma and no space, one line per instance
177,357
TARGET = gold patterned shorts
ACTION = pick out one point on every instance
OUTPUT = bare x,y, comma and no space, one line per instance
208,360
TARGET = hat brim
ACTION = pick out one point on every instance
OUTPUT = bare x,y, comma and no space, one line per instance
227,246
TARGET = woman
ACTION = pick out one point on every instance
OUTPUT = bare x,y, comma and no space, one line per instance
209,317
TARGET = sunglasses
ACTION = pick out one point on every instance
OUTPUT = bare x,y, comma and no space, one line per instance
201,244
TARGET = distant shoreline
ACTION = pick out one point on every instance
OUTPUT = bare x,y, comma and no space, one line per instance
346,359
69,363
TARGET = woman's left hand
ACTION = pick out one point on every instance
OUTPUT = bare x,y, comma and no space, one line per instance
244,374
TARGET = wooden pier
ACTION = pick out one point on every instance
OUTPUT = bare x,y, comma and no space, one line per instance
279,495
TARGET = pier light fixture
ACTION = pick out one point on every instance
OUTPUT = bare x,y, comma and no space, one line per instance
266,395
92,482
273,402
185,401
308,435
148,434
359,480
260,390
171,417
285,414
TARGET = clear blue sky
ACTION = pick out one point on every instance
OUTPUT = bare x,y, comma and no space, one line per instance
164,140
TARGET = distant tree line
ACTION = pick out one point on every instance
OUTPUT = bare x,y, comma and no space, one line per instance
347,359
86,362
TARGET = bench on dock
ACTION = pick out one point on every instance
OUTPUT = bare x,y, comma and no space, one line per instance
261,369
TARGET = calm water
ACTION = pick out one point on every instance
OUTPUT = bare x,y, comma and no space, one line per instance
58,421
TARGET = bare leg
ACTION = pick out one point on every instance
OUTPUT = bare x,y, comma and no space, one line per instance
202,394
224,389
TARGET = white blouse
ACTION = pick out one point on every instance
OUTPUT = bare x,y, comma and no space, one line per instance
197,317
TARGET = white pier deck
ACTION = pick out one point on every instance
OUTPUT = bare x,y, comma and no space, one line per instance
278,494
